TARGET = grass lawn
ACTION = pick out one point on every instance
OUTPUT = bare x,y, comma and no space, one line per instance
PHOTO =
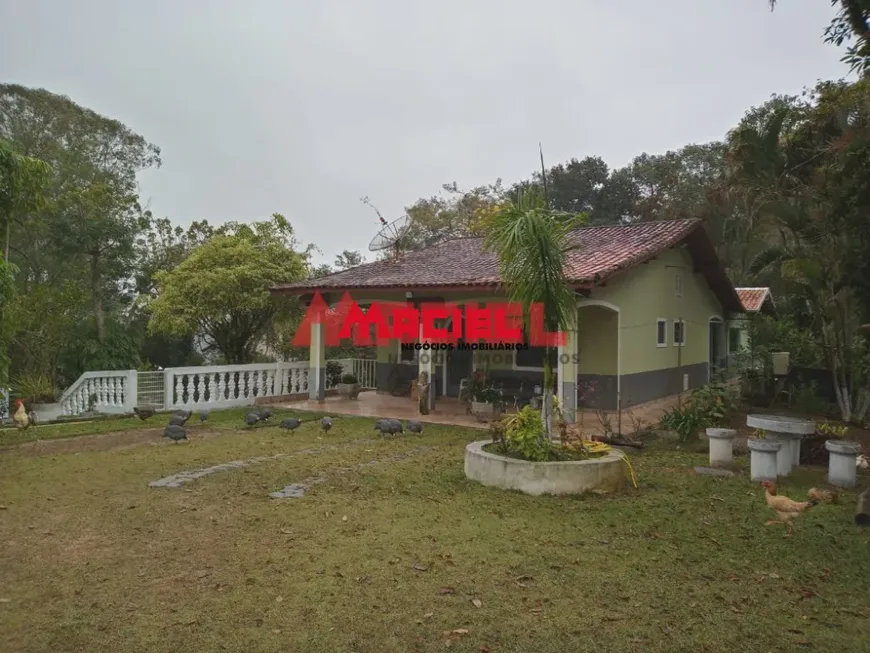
393,555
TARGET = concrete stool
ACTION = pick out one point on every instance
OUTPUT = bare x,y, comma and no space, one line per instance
721,447
842,468
763,455
790,431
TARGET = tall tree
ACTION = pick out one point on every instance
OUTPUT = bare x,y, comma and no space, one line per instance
589,186
852,22
531,246
91,223
220,292
804,166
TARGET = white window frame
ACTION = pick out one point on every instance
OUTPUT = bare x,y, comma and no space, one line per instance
682,333
678,284
662,320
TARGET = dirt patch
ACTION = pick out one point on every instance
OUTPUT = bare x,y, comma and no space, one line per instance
113,441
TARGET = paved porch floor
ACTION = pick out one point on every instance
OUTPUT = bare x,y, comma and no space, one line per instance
451,411
371,404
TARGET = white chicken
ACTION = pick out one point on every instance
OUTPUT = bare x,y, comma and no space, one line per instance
863,463
22,418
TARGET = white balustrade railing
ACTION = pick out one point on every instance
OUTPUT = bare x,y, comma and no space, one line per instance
364,370
215,386
106,392
232,385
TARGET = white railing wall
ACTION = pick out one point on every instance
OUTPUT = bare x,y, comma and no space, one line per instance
362,368
214,386
106,392
232,385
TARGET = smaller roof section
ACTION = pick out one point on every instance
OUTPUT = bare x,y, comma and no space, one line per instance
756,299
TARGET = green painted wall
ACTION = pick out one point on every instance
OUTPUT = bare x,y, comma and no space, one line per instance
649,292
597,340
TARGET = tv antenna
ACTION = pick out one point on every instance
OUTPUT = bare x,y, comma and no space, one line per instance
393,235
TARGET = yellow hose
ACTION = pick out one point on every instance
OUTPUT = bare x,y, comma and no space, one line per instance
593,446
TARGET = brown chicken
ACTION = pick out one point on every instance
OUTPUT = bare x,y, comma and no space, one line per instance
786,509
823,496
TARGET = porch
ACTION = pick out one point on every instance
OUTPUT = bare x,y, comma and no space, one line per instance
452,412
448,410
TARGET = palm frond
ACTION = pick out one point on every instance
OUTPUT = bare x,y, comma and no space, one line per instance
531,246
768,259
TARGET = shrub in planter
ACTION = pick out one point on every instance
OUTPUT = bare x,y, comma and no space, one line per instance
36,389
349,386
334,372
40,394
526,435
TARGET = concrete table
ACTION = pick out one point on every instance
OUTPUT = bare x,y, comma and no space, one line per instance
789,431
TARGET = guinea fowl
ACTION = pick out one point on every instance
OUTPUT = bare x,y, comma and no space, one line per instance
144,413
265,414
326,424
396,426
203,416
183,414
251,419
177,420
175,432
414,426
291,423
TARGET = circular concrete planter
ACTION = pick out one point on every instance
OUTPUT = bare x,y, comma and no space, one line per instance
604,474
762,459
788,429
842,468
721,447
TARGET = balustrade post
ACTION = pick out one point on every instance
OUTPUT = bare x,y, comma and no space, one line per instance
317,363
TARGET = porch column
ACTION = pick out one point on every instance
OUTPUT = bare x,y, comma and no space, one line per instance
567,377
317,363
426,363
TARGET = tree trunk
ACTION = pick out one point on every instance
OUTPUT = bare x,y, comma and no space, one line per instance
547,408
97,293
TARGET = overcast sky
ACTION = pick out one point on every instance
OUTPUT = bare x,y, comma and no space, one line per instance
303,108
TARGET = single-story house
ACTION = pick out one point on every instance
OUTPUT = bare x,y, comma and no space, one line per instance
755,301
653,307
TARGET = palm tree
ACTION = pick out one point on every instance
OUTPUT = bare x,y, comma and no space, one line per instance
531,244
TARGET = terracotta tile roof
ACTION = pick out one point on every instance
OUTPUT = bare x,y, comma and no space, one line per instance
753,298
601,252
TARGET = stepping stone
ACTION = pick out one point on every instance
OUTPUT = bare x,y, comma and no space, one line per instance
710,471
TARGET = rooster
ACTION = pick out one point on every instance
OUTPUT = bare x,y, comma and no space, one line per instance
823,496
786,509
22,418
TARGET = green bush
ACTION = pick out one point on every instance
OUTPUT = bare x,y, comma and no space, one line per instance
334,372
683,420
525,435
36,388
349,379
709,406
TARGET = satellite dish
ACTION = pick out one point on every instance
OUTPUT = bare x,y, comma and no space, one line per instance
393,235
